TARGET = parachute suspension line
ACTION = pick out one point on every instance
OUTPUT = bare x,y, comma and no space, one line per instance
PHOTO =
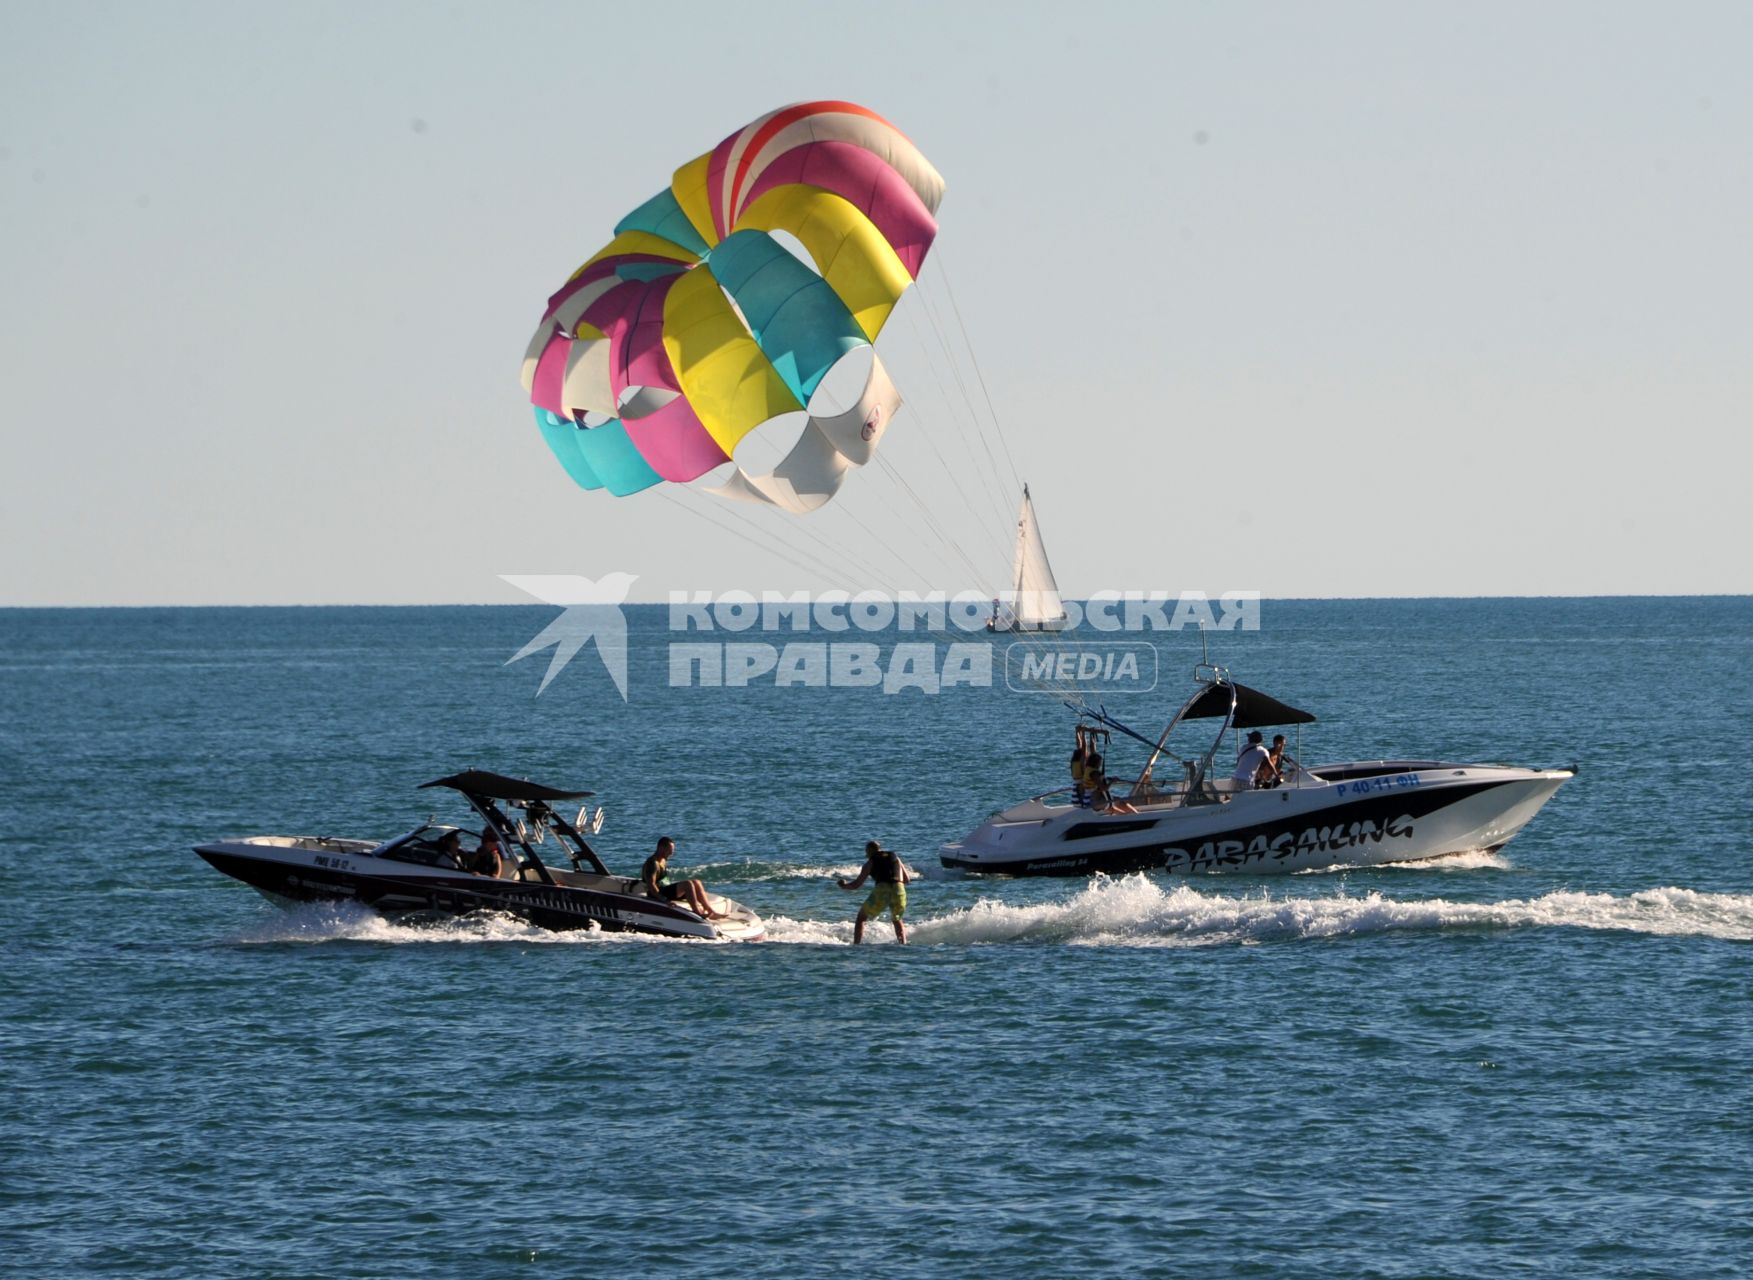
893,518
991,473
976,577
1005,516
933,310
997,513
797,552
816,531
988,474
1068,686
866,538
749,535
988,529
1071,685
942,347
943,270
944,634
871,535
845,564
802,558
756,536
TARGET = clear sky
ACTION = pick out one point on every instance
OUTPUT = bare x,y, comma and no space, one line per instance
1311,299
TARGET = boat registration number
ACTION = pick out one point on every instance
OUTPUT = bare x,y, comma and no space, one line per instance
1387,782
332,863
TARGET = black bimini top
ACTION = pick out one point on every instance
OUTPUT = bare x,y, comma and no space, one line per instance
495,786
1254,710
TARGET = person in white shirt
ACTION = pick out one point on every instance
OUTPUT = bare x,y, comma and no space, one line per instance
1250,762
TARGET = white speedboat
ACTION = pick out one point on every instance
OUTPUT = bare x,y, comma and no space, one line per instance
1356,813
1034,603
416,873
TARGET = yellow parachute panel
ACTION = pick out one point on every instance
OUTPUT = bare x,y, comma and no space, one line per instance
730,384
852,255
690,188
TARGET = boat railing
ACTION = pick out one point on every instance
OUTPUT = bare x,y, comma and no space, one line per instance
1151,797
1046,797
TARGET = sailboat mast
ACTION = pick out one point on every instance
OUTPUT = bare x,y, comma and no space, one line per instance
1022,551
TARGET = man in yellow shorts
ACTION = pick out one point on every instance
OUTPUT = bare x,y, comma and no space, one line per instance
889,892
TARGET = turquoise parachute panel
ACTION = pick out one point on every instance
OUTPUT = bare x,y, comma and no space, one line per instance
662,216
648,270
610,454
562,437
796,318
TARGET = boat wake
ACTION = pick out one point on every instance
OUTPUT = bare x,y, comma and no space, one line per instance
1478,860
1139,912
1132,912
350,922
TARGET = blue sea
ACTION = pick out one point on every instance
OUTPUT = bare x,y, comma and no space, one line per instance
1528,1063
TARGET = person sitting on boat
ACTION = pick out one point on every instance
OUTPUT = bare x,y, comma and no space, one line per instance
689,893
889,893
1096,780
451,845
1251,762
489,859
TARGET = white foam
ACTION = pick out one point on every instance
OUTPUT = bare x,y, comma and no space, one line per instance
1478,860
351,922
1131,912
1136,911
818,932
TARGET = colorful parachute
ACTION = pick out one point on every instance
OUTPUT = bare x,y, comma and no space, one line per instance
694,326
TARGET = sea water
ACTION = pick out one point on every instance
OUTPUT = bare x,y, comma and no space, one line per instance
1532,1062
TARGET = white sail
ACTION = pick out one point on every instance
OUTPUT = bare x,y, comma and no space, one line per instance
1036,603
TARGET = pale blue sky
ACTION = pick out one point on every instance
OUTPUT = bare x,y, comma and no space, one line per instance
1312,299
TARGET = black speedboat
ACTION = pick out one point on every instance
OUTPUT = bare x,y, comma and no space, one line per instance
416,874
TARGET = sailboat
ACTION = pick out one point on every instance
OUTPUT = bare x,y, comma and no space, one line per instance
1034,603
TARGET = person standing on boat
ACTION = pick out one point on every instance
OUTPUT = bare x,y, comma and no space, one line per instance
690,893
1272,771
1251,762
1079,796
884,866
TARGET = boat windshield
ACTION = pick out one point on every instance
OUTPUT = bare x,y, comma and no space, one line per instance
425,845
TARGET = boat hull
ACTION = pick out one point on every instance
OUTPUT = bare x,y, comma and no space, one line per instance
293,874
1406,816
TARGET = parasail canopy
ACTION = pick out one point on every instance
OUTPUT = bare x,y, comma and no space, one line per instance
694,326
